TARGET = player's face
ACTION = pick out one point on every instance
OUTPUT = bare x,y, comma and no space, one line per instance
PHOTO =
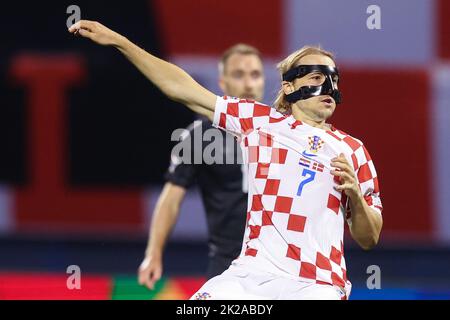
243,77
317,108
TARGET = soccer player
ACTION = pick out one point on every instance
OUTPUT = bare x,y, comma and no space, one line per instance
222,186
306,178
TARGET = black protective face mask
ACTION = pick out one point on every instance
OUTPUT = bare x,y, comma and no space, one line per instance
306,92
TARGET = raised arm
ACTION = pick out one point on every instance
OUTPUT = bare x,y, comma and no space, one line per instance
170,79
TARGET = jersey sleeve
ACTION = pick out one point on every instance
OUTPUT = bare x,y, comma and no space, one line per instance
181,172
367,179
241,116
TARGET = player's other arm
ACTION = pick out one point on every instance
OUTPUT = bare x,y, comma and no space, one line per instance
170,79
164,218
366,223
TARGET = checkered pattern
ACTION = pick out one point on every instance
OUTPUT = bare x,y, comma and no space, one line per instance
364,169
244,115
297,234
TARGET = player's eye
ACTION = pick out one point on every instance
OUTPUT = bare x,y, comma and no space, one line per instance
237,74
256,74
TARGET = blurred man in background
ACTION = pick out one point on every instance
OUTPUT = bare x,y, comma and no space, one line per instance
223,187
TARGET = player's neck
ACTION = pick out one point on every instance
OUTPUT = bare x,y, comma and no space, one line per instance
305,118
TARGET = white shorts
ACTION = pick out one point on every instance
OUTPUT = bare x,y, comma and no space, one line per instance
238,283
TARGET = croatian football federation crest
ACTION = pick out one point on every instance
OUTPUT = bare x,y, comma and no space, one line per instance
315,144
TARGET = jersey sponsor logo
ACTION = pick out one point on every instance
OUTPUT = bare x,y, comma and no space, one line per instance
306,154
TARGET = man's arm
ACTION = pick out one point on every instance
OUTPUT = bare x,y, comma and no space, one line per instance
366,223
170,79
164,218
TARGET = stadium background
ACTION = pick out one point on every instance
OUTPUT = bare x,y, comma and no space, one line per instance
85,139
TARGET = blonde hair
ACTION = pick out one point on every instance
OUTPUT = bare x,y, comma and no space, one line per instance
288,63
240,48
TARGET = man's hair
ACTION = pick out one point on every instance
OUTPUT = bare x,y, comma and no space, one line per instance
240,48
290,62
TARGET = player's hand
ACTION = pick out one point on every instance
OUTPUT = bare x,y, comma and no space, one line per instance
96,32
150,271
348,181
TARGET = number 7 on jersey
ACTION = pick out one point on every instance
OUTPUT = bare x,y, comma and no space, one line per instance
310,175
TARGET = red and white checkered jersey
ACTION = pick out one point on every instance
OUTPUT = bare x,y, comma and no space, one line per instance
295,217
